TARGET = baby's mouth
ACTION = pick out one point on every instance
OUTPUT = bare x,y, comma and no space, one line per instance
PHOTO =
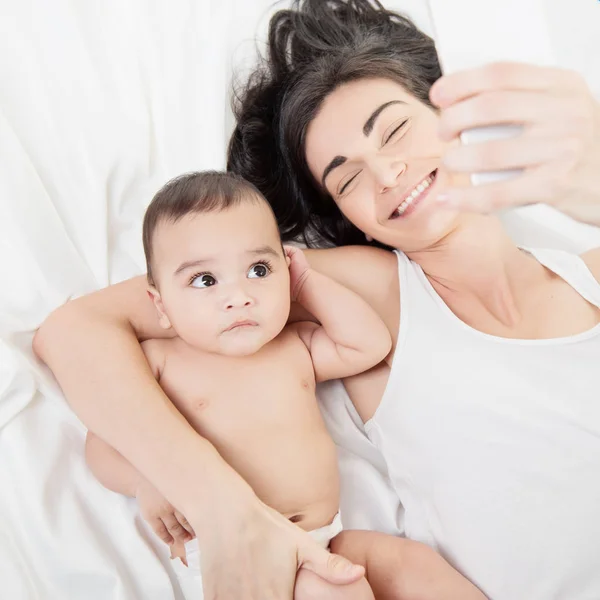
241,324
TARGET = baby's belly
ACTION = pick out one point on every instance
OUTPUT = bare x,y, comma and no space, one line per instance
296,474
290,463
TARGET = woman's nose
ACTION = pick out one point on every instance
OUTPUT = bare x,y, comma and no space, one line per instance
387,173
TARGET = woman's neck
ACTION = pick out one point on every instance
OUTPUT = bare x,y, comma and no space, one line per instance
479,266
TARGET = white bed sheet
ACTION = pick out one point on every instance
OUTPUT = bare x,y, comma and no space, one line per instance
100,103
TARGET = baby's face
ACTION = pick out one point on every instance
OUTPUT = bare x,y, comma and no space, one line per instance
223,279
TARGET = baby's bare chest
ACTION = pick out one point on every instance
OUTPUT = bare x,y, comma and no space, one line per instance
227,396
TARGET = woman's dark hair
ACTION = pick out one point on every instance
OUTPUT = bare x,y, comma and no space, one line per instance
313,48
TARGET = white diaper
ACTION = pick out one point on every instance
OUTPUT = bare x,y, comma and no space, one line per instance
190,578
324,535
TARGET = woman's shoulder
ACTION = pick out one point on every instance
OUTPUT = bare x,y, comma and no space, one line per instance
370,272
332,261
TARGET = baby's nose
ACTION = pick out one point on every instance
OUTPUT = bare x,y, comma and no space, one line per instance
238,299
232,304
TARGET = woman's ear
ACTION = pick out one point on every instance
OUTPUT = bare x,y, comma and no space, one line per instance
163,319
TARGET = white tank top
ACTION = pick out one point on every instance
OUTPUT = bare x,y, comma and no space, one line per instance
493,444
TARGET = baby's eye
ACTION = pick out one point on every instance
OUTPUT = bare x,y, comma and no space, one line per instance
203,280
258,271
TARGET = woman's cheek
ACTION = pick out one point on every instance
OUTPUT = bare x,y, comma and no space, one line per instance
359,208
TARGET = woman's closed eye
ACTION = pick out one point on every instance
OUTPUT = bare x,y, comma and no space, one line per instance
202,280
259,270
345,183
393,130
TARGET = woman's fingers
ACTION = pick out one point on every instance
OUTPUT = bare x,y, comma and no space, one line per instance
485,198
500,108
545,183
498,76
331,567
556,147
550,183
519,152
541,113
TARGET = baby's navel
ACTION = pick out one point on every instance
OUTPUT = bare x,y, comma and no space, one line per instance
296,518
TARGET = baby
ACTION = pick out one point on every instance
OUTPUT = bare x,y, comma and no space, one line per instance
244,377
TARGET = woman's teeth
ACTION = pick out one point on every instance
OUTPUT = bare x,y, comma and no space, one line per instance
413,195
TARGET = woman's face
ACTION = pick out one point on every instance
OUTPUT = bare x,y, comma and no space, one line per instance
376,151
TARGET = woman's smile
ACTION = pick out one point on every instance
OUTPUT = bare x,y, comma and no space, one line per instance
412,198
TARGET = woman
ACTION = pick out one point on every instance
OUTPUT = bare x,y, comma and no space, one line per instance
338,131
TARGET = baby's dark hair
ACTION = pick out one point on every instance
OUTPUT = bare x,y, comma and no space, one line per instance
313,48
190,193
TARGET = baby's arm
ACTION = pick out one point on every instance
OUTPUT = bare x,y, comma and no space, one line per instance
117,474
110,468
350,338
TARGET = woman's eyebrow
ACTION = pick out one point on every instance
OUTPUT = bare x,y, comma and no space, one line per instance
367,129
370,122
336,162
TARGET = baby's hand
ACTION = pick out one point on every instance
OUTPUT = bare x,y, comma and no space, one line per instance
166,521
299,269
178,551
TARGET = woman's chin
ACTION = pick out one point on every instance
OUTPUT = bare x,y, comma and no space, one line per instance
422,229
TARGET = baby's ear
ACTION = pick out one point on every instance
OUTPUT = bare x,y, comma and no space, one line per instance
163,319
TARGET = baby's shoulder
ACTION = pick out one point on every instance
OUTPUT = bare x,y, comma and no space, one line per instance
290,334
157,351
292,340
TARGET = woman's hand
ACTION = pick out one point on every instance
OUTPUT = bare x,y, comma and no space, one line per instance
558,150
253,553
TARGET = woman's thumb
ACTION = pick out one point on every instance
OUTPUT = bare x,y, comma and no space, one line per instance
331,567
